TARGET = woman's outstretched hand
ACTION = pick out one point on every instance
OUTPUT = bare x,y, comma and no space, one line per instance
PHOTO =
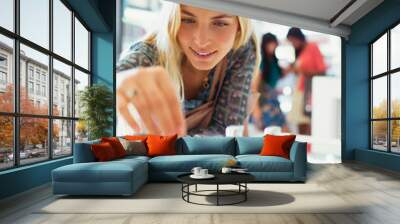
153,94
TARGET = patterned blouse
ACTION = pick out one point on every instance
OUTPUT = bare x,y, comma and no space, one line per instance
231,107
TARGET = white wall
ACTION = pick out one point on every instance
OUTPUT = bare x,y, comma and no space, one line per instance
326,120
326,96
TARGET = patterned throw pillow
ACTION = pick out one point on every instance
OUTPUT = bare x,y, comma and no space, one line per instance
134,147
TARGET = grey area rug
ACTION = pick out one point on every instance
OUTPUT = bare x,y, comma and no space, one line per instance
166,198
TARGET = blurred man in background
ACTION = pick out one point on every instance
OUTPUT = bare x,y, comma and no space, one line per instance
309,63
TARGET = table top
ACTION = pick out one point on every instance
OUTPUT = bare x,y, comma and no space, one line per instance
220,178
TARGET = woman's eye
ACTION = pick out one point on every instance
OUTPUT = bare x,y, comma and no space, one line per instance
221,24
187,20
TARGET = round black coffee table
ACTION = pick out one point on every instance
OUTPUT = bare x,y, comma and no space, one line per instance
238,179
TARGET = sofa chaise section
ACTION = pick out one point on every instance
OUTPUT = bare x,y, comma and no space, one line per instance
101,178
87,177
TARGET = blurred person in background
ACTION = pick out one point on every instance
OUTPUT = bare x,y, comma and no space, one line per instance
268,112
309,63
191,76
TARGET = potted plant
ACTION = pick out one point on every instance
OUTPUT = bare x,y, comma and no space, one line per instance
96,103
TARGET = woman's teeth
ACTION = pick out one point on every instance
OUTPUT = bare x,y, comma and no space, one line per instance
202,53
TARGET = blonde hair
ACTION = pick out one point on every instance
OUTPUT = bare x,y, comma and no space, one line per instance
169,51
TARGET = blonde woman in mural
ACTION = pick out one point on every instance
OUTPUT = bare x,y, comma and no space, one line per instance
192,76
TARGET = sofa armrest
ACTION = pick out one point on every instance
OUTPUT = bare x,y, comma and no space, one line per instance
83,152
298,155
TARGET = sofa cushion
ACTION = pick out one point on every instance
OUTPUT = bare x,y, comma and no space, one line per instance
185,163
248,145
206,145
111,171
131,158
257,163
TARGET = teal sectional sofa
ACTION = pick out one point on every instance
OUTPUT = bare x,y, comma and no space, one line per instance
125,176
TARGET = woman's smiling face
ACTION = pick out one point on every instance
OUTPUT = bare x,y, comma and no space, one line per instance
206,36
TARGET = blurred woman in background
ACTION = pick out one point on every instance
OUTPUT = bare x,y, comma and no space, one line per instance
268,112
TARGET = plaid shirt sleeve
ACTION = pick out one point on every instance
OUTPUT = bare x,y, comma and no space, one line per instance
139,54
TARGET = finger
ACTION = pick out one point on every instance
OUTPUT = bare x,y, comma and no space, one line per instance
158,106
173,109
123,110
174,106
142,104
139,101
161,110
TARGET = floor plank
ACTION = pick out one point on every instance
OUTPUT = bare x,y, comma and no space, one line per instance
376,189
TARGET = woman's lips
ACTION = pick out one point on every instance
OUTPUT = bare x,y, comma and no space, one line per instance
203,54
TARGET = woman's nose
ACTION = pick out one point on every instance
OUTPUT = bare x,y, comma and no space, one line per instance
201,36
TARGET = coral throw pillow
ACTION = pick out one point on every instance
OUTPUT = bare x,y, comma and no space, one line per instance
116,145
103,152
161,145
275,145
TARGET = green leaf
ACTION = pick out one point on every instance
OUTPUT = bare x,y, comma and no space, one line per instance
96,103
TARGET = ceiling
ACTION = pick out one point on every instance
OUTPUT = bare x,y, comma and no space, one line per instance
321,9
326,16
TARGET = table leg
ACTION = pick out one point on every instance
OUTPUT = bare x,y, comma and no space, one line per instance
188,189
217,194
245,193
196,188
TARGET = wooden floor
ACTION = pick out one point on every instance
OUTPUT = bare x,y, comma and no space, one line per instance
378,188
